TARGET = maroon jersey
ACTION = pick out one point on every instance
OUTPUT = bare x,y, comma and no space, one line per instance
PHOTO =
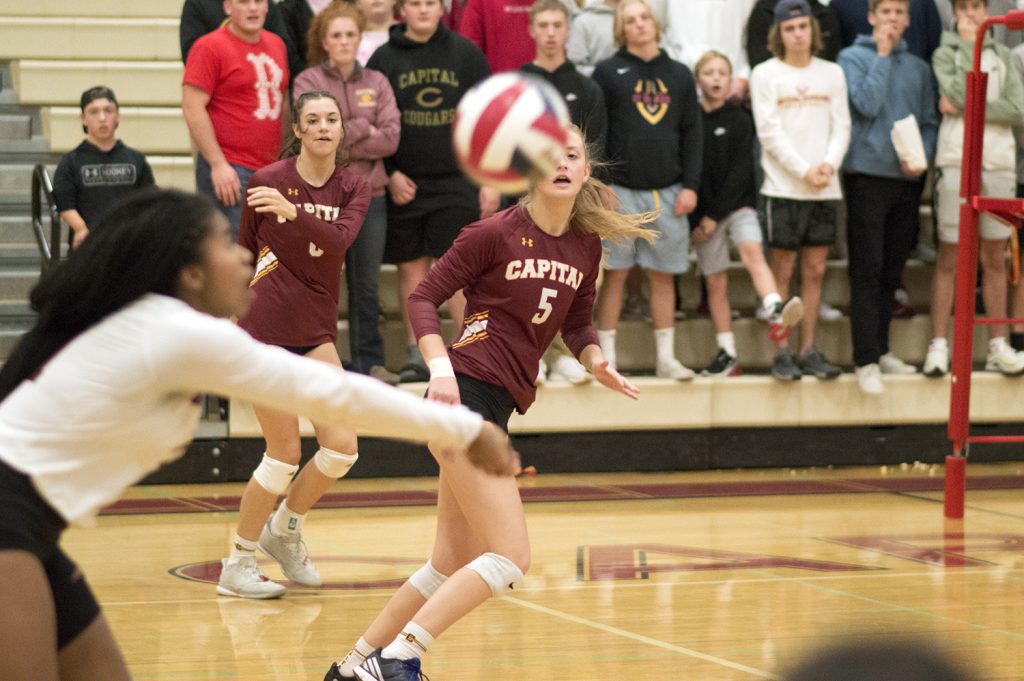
522,285
298,263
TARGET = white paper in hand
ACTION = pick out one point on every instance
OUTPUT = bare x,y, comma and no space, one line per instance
906,138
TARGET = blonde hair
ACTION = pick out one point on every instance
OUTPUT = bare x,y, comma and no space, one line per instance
590,212
619,31
708,56
315,53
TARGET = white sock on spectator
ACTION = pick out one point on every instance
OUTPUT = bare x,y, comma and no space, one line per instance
606,339
665,343
727,341
938,344
769,303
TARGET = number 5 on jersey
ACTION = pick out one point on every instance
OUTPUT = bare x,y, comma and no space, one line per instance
544,311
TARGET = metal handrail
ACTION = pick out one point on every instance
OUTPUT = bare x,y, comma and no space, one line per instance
42,188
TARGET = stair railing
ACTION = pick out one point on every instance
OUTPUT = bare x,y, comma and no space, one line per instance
42,190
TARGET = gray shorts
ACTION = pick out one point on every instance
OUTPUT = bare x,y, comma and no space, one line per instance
997,183
792,224
670,251
741,226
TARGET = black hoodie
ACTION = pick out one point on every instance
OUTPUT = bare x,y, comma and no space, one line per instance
727,182
581,95
429,79
654,131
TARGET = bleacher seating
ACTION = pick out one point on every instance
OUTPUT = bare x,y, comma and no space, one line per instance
58,48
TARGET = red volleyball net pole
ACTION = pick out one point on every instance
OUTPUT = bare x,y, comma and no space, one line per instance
973,204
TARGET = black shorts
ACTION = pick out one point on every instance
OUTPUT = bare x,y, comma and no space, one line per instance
28,523
300,350
427,226
491,401
791,224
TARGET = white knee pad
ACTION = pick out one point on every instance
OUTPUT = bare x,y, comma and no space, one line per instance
334,464
427,580
499,572
274,475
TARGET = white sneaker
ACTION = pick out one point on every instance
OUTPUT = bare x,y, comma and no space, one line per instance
1004,359
869,378
828,313
290,552
243,578
565,367
673,369
542,374
891,364
936,362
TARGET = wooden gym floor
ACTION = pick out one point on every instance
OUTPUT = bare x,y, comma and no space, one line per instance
709,575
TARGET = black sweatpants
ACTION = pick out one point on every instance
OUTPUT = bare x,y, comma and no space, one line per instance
882,225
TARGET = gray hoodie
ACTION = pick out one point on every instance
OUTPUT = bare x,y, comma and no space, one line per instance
591,39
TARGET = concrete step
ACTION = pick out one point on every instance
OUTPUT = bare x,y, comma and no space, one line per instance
94,8
695,343
835,290
746,401
78,37
16,182
17,281
10,334
15,127
152,130
16,229
48,82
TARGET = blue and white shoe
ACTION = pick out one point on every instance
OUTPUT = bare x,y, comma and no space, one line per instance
377,668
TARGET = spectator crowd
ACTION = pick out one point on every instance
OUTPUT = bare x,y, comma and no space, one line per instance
767,129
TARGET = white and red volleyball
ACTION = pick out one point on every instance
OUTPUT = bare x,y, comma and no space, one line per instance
510,129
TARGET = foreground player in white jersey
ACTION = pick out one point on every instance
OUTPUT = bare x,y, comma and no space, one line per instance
527,273
104,388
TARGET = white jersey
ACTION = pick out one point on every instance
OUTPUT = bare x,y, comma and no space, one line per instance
122,398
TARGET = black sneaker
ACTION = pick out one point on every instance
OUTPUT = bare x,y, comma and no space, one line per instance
784,366
377,668
333,674
814,363
723,364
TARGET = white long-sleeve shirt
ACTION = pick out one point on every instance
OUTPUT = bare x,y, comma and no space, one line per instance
803,119
122,398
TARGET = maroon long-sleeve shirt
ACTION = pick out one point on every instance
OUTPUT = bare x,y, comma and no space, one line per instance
522,286
298,263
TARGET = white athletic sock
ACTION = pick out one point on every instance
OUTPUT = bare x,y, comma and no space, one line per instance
286,521
727,341
241,548
769,302
665,344
412,642
606,339
998,343
360,651
938,344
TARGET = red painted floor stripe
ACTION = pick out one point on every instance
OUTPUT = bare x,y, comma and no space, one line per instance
606,492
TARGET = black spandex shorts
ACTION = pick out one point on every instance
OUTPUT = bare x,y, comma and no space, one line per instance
429,224
491,401
300,350
28,523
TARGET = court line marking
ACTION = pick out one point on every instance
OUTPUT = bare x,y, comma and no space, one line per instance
640,638
640,584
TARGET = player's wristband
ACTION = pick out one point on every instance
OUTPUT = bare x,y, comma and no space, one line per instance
441,367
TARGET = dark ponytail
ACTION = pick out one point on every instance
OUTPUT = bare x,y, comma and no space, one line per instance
139,247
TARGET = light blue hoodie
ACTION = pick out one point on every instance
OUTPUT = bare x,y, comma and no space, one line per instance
882,91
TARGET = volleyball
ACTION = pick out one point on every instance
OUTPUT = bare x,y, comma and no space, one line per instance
509,130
